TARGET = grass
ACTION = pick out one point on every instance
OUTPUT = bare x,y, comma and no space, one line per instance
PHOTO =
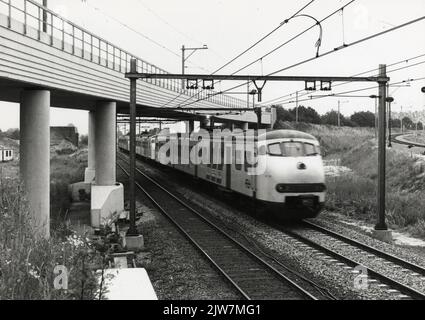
355,194
334,141
27,263
64,170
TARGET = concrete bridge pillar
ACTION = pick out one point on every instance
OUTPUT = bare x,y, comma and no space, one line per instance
107,196
35,156
90,172
105,148
245,126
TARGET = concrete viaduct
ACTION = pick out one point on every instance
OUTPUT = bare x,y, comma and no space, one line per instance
46,61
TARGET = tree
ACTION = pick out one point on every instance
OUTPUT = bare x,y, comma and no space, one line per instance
84,140
363,118
420,126
396,123
331,118
308,115
13,133
284,114
407,123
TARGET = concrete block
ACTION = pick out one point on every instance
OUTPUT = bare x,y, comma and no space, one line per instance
383,235
106,202
80,191
128,284
120,262
89,175
135,243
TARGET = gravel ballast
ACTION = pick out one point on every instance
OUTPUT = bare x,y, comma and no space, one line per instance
339,278
176,269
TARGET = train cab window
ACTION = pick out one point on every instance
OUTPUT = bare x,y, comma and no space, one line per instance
311,150
293,149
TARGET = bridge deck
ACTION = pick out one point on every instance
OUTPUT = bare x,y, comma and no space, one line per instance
80,69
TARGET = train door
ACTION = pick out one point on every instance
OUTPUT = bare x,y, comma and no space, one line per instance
240,180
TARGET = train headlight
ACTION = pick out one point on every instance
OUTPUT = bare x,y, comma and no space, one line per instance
282,188
300,188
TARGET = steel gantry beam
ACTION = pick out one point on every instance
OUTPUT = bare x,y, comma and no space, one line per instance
131,75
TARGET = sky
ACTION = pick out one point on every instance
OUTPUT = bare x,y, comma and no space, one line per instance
156,30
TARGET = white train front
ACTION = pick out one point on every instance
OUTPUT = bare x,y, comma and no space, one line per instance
287,178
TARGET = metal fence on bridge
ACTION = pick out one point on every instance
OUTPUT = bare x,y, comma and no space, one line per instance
38,22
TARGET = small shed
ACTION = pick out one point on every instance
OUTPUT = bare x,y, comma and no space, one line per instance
6,154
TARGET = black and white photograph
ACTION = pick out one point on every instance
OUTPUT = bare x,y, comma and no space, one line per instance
212,159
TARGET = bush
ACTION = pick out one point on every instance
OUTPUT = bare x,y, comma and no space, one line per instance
84,140
27,263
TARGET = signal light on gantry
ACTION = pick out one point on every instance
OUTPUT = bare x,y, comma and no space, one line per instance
310,85
325,86
192,84
208,84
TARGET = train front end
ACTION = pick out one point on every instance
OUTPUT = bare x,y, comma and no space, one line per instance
292,184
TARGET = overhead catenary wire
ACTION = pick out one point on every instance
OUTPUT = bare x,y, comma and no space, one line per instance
359,90
242,53
286,97
337,49
177,30
139,33
260,40
286,42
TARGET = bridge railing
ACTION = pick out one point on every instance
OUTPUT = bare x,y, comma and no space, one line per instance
36,21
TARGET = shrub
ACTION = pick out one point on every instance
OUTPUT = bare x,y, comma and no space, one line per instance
27,263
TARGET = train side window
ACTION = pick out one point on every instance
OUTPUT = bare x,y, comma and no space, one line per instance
262,151
249,158
274,149
238,160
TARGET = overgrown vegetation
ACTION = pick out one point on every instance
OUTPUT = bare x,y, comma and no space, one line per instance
355,194
28,263
334,141
64,170
357,119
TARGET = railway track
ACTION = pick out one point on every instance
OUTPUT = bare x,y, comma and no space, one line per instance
375,277
407,143
251,275
335,242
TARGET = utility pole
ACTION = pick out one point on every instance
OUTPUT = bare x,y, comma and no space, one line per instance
339,110
132,231
375,97
184,49
45,17
389,100
296,107
381,225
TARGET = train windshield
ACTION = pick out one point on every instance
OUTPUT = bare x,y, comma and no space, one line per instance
293,149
